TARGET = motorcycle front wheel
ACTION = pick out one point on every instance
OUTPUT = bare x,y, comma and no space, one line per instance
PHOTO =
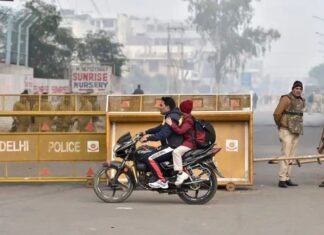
202,188
111,185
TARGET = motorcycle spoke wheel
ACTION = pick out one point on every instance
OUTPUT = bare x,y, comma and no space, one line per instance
111,186
203,190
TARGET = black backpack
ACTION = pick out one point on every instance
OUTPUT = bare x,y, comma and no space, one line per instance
204,134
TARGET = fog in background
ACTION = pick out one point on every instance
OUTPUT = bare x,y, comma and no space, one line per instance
291,57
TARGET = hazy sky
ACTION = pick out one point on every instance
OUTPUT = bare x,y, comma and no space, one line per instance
299,47
292,56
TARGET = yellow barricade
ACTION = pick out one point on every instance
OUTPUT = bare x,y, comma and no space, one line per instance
231,116
66,137
47,138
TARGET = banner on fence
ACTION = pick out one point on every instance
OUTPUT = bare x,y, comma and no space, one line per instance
87,78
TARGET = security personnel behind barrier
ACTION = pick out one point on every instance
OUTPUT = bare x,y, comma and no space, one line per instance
84,122
43,123
95,107
64,123
21,123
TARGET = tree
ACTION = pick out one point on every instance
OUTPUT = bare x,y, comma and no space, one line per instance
98,47
4,14
318,74
51,47
226,24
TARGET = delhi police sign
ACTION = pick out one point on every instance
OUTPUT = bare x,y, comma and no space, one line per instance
90,77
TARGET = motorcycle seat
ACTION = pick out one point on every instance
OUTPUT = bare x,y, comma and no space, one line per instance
196,152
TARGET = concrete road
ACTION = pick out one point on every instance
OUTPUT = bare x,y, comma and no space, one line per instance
262,209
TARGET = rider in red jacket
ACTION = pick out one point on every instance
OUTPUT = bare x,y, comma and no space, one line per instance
186,128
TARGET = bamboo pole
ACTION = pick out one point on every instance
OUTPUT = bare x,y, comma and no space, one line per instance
281,158
317,160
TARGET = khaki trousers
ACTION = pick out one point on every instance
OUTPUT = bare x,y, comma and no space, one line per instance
289,143
177,157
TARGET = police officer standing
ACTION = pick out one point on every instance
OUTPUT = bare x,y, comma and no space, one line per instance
22,123
288,117
138,90
63,123
43,123
84,122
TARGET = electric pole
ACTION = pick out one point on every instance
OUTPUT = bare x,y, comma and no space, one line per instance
173,79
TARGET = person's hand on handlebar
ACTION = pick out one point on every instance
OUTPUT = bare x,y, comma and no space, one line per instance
143,139
142,133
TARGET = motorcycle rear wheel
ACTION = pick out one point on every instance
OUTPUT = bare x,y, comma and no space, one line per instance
202,192
111,187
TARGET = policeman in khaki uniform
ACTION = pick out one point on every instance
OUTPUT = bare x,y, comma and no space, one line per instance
288,117
95,107
63,123
22,123
43,123
84,121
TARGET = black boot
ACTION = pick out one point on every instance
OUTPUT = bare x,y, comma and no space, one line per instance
321,184
282,184
289,183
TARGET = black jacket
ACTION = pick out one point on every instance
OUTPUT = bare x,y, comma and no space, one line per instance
164,133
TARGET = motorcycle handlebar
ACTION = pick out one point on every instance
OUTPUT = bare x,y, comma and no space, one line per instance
138,136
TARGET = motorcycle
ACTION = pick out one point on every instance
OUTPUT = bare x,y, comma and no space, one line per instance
115,180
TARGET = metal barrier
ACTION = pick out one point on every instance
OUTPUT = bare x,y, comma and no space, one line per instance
231,116
51,138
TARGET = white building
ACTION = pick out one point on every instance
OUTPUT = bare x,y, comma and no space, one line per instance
81,24
168,48
158,47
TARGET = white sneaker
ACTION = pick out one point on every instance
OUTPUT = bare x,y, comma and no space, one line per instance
159,184
180,178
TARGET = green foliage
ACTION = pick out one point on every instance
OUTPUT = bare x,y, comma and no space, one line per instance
97,47
226,24
4,15
317,73
51,47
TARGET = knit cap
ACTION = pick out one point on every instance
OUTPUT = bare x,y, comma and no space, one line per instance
186,106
